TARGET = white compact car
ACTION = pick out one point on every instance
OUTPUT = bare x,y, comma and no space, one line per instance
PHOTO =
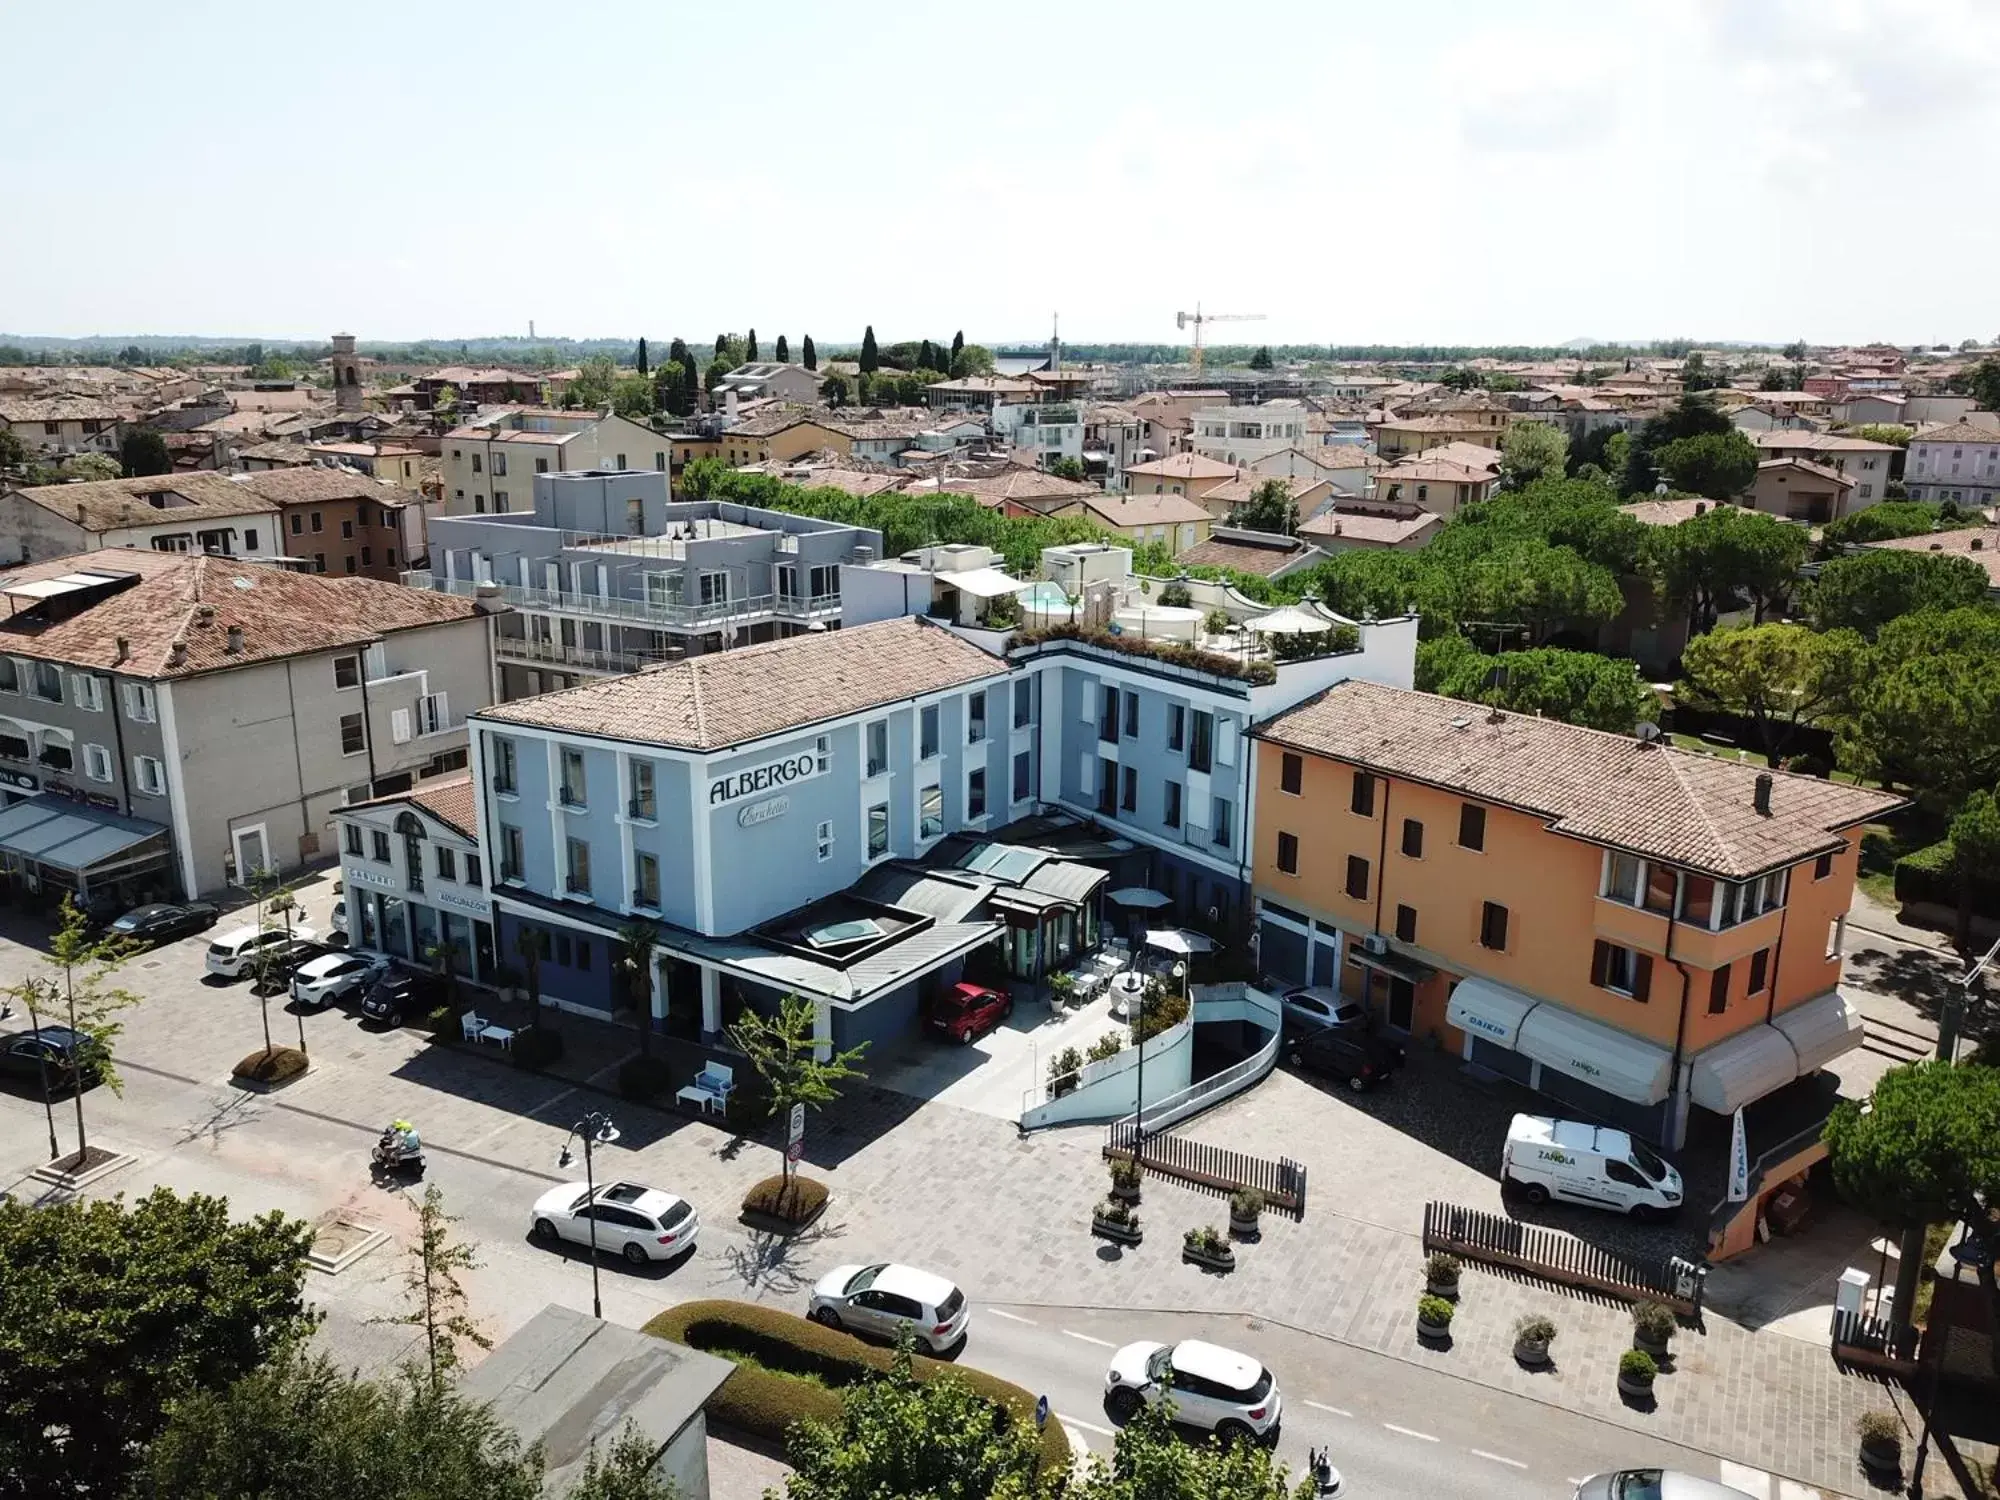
336,976
640,1223
1582,1163
880,1299
1213,1388
234,953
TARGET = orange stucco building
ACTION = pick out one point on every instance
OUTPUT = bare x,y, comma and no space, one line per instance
1630,928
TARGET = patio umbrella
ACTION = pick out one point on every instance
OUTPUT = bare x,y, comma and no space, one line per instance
1289,621
1138,895
1178,940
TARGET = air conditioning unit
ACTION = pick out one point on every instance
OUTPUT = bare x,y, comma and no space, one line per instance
1375,943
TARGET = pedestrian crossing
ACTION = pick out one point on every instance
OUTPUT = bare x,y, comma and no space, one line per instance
1759,1485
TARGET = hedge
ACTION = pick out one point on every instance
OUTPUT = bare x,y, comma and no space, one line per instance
765,1403
796,1202
1926,875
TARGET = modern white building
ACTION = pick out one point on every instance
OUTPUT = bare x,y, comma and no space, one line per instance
1243,434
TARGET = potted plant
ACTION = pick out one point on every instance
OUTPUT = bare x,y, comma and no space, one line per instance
1434,1316
1881,1434
1441,1274
1062,989
1636,1370
1063,1068
1245,1204
1205,1247
1532,1335
1125,1181
1115,1221
1653,1324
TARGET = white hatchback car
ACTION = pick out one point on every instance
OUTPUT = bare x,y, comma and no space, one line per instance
1212,1388
336,976
640,1223
235,952
880,1299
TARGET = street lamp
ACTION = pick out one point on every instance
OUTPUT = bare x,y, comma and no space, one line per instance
597,1130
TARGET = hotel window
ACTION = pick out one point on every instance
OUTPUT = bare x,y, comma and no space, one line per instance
1024,775
1288,853
1131,716
346,671
1291,774
1760,971
299,522
1128,798
645,801
1363,801
877,734
1493,926
447,863
1176,726
352,839
477,465
512,864
1406,924
975,794
347,530
927,732
878,830
353,740
48,681
97,762
10,678
573,783
1024,704
645,879
975,718
1357,877
823,840
1622,970
474,876
318,521
1201,747
1107,715
87,692
823,753
1221,834
503,765
380,841
930,812
1471,826
1172,812
1413,839
1718,991
577,880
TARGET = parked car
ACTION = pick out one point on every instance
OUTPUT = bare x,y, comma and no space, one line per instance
338,975
1654,1484
1590,1164
272,970
163,921
1212,1388
640,1223
880,1299
336,924
1346,1053
25,1054
1316,1007
402,993
235,952
966,1011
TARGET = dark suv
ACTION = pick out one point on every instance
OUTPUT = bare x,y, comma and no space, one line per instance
402,994
1362,1059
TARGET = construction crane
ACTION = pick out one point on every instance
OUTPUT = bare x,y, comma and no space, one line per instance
1198,318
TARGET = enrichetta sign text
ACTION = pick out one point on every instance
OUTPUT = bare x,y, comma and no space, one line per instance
769,777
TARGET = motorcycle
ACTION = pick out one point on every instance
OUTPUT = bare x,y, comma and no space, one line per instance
400,1150
1325,1477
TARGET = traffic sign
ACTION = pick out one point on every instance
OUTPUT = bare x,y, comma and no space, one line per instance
794,1151
1041,1411
798,1131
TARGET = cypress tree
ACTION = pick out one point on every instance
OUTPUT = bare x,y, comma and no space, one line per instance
721,344
783,352
677,352
870,360
957,343
926,356
750,348
644,369
808,356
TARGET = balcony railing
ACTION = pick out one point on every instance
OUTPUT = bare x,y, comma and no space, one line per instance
807,606
583,658
657,615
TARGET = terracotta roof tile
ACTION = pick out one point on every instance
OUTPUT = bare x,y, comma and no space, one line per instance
1263,558
1370,527
449,799
1980,543
1959,432
1184,466
319,485
1115,509
1687,809
108,504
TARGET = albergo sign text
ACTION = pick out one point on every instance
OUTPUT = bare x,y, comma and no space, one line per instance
770,777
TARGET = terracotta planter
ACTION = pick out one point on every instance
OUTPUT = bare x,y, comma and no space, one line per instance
1118,1234
1534,1353
1222,1260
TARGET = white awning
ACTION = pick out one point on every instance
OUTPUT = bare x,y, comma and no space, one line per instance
1820,1030
1603,1056
1742,1069
1490,1011
983,583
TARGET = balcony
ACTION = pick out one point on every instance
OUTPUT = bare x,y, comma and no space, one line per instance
807,606
581,658
654,615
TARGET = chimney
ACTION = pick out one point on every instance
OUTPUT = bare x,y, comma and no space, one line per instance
487,599
123,648
177,652
1761,797
1979,544
235,640
1701,507
204,614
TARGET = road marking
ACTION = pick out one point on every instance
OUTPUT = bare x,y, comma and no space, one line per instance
1336,1410
1498,1458
994,1312
1087,1426
1086,1338
1410,1432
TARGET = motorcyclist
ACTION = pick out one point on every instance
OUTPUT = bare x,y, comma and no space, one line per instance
400,1143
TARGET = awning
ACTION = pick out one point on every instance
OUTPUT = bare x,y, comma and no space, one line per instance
1139,895
1602,1056
1395,965
983,583
1489,1011
1743,1069
1820,1030
70,835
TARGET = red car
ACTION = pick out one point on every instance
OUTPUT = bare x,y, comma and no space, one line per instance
969,1010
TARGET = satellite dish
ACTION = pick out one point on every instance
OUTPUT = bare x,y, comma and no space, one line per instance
1650,733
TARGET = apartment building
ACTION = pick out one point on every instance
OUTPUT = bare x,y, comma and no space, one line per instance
183,719
1960,462
1240,435
340,521
415,877
488,465
1868,464
194,512
58,426
1637,931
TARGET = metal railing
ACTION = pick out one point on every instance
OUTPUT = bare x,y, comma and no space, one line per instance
657,615
807,606
584,658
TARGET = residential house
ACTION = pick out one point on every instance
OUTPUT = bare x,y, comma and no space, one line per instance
1240,435
415,877
489,463
769,380
284,453
1798,490
982,394
1636,931
195,512
1406,436
1309,492
1351,523
1356,387
1190,474
194,718
1174,521
1020,491
1979,543
394,463
1856,410
1960,462
476,387
1868,464
1113,440
1263,554
1345,469
1434,484
1941,408
340,521
875,435
1799,403
60,425
1758,417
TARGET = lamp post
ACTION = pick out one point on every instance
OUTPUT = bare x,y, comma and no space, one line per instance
597,1130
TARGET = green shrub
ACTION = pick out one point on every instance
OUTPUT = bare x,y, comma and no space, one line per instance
1654,1321
1063,1067
1124,1173
795,1203
1108,1045
644,1077
536,1047
1879,1428
1205,1239
1927,875
1535,1328
1160,1009
1435,1310
1111,1211
274,1066
1176,596
796,1352
1245,1203
1637,1364
1443,1268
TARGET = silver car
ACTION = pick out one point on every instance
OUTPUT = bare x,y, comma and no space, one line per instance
1654,1484
880,1299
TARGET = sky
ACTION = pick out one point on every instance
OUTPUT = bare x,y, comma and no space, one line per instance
1432,171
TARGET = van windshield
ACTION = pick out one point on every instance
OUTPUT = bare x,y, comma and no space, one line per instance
1648,1163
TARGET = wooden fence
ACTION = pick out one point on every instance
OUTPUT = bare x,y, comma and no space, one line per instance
1499,1241
1282,1182
1874,1344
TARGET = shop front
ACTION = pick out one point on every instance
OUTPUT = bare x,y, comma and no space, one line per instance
53,846
414,881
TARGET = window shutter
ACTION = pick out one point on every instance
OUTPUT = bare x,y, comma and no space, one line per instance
1600,962
399,725
1642,976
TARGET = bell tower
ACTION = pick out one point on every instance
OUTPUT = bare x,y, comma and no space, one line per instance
346,374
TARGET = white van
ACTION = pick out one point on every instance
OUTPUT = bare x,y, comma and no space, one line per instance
1591,1164
232,954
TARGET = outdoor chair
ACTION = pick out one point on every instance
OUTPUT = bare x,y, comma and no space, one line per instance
713,1084
471,1026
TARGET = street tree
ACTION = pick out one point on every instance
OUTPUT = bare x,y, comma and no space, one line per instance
673,389
115,1312
1878,523
1531,451
39,997
13,452
1924,1149
445,402
632,962
142,451
1578,687
1269,508
1711,559
1780,677
871,358
81,965
1151,1461
1067,467
1542,587
436,1300
1926,710
808,356
1719,465
273,902
89,467
1261,360
957,345
1975,857
677,351
633,396
1696,375
596,379
1981,382
973,359
1866,591
784,1051
1774,379
639,359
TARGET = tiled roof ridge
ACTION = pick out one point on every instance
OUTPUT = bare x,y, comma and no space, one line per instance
1678,761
